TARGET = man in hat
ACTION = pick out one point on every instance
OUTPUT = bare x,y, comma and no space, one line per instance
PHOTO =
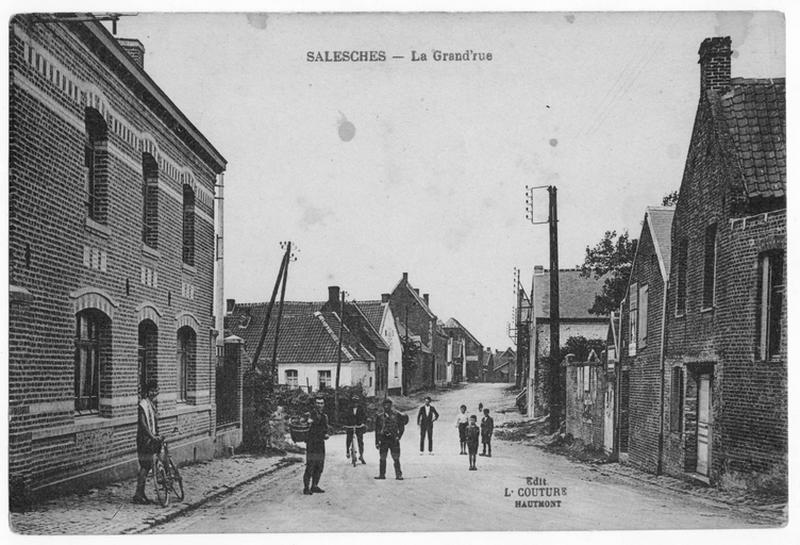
148,442
315,447
389,428
356,419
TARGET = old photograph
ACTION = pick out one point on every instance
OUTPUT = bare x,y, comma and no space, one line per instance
397,272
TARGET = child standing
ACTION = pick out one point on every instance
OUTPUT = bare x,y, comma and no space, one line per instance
487,427
473,434
462,420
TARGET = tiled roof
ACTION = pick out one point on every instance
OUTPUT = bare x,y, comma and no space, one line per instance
373,311
576,294
754,114
659,219
452,323
305,337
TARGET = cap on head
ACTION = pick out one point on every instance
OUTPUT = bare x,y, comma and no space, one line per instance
428,399
473,417
151,386
387,402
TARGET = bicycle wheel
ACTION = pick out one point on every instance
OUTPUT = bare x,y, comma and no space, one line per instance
161,482
177,480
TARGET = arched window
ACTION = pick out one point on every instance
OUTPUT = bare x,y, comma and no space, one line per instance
187,343
92,349
149,200
148,353
188,225
95,161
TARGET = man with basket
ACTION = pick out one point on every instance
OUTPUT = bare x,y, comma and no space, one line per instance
389,428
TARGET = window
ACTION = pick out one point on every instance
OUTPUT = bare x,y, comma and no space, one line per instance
683,254
186,358
94,162
396,367
710,266
148,353
633,317
188,225
291,378
91,344
642,319
149,200
324,379
771,292
676,400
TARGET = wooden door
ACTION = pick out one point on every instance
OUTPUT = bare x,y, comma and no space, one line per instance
608,423
704,424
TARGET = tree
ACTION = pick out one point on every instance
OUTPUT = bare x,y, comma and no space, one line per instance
670,199
611,258
580,347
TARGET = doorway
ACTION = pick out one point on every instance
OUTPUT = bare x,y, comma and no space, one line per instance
704,425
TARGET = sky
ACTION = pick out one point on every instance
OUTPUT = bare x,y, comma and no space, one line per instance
375,169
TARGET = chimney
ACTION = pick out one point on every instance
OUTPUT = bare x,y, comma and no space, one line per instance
538,269
135,50
385,297
229,305
416,290
715,64
405,277
333,296
426,297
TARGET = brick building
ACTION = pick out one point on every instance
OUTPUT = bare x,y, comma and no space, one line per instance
726,400
416,322
503,366
469,368
642,325
380,316
111,258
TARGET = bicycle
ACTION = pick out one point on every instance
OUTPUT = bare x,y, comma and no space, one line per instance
166,477
353,443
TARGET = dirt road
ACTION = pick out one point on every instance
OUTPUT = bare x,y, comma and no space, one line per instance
440,494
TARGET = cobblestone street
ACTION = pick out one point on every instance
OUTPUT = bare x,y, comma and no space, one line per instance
108,510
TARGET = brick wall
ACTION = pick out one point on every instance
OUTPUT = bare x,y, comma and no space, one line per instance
68,262
408,310
644,409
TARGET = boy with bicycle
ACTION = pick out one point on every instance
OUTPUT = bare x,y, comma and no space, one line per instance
148,442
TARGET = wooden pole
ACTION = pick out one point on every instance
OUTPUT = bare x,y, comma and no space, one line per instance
339,357
274,369
556,387
263,337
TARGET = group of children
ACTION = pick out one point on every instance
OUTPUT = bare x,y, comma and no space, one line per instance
469,433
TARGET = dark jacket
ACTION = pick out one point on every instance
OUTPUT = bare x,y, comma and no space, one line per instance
146,441
357,419
426,420
390,427
318,432
487,426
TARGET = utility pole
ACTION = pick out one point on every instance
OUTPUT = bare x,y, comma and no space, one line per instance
339,357
263,337
557,389
557,399
518,320
274,370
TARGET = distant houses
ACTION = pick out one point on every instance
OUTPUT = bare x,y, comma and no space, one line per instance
470,368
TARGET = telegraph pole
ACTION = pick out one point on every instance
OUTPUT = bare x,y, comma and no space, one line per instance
557,389
339,357
518,288
557,399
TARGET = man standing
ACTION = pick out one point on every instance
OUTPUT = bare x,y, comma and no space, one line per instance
356,422
315,447
148,442
389,428
425,418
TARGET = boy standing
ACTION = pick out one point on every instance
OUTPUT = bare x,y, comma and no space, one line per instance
148,442
473,434
487,427
461,423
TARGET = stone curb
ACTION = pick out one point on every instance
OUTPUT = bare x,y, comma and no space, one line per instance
167,517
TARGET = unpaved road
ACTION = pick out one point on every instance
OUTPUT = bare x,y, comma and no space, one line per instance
440,494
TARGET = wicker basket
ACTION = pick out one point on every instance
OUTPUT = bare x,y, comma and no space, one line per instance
299,431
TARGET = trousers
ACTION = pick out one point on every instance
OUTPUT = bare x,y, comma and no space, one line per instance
423,431
359,437
315,463
388,445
